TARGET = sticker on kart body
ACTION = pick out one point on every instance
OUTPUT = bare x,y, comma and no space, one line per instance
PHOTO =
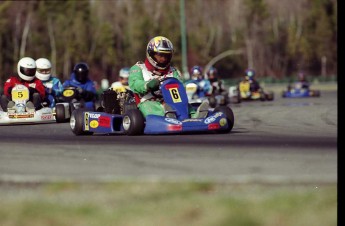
21,115
174,121
94,124
104,121
46,117
213,118
222,122
193,120
86,121
95,116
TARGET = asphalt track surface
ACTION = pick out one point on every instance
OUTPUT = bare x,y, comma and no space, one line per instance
281,141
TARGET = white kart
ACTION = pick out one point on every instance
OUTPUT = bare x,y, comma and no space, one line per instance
20,115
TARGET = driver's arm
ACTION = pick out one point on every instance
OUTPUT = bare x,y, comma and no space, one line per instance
177,74
136,80
89,92
8,87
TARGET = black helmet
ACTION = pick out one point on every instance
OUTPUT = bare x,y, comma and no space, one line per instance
81,71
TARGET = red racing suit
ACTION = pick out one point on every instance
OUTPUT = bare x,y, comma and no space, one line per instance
35,84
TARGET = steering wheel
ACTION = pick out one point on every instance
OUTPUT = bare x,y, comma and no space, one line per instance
159,94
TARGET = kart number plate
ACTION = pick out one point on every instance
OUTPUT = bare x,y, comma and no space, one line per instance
175,95
68,93
18,95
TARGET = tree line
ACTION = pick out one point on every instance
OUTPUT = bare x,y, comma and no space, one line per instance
277,38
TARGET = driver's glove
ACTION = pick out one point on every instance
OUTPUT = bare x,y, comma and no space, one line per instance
152,85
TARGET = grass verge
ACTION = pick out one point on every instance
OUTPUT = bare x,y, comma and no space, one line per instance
166,204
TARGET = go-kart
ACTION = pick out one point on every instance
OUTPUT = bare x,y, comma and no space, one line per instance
298,91
132,121
242,92
19,114
195,96
67,103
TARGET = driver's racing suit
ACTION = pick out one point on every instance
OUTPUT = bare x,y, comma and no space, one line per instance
89,91
139,75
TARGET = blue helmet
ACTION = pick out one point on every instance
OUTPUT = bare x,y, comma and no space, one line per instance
249,73
212,71
196,73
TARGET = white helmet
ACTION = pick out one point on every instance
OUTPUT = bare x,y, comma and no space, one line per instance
43,69
124,72
26,68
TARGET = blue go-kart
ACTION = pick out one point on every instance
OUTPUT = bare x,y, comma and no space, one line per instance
297,91
132,122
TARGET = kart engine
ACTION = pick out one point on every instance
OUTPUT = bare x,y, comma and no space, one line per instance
116,102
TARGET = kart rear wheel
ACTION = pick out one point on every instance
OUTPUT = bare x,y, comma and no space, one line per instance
316,93
60,113
270,96
77,121
133,122
129,106
229,115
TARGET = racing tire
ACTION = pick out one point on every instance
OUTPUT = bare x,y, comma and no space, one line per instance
227,100
77,123
316,93
284,94
60,113
129,106
270,96
229,115
133,122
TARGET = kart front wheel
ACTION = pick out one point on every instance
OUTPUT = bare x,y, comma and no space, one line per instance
229,116
133,122
60,113
77,121
316,93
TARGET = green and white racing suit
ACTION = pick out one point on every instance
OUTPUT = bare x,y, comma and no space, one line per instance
139,76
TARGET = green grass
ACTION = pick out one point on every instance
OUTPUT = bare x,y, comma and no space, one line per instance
167,204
